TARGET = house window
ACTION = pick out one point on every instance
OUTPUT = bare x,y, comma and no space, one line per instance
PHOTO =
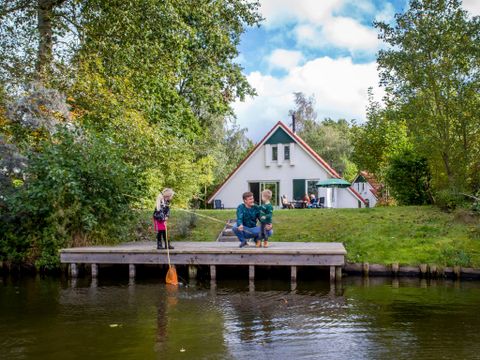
286,152
274,153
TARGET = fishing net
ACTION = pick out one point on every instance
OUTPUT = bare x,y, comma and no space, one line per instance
172,277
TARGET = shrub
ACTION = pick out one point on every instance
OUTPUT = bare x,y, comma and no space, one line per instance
408,177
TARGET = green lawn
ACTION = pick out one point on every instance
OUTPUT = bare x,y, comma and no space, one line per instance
407,235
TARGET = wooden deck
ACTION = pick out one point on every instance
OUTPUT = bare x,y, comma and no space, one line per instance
291,254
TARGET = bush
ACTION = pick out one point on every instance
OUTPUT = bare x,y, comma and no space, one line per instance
449,200
408,177
75,191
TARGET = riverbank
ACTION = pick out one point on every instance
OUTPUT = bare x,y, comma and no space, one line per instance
411,235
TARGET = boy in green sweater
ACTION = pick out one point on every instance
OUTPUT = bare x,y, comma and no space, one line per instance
266,212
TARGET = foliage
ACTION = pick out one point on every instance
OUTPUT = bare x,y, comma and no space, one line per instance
430,71
74,190
148,87
408,177
379,139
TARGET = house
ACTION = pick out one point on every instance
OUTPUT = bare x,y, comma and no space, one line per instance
368,187
285,164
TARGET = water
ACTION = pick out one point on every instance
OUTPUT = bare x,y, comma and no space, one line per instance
362,319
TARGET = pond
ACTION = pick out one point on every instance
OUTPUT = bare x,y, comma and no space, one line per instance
375,318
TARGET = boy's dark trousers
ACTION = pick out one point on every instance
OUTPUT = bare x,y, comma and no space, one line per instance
264,232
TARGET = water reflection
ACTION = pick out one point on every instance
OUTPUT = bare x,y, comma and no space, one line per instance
402,318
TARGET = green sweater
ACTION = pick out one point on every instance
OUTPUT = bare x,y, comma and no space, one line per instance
266,212
247,216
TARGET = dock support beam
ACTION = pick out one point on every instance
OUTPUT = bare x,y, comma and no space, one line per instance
338,273
94,271
293,274
131,271
332,273
73,270
213,272
192,272
251,272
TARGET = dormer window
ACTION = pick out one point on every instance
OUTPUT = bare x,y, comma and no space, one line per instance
274,153
286,152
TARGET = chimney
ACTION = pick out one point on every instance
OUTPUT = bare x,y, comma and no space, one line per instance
293,123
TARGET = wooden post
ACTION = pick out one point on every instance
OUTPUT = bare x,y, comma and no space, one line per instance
73,270
293,274
131,271
457,271
213,272
366,268
423,269
338,273
332,273
94,271
251,272
395,268
192,272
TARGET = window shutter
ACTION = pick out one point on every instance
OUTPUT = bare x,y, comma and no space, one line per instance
280,154
292,153
268,154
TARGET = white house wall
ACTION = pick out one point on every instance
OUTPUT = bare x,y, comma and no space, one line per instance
347,200
254,169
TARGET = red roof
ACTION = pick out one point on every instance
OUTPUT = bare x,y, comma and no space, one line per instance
300,141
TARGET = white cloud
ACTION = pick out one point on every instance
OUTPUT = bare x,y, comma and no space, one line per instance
473,6
340,32
387,14
348,33
284,59
339,86
279,12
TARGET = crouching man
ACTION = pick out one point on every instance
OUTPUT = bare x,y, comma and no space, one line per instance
247,216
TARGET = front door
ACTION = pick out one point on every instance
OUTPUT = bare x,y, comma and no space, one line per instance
257,187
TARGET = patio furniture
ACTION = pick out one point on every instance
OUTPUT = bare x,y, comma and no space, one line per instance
217,204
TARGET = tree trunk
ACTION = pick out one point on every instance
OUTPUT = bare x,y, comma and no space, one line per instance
45,37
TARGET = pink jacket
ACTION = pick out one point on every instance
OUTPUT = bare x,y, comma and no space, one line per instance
159,225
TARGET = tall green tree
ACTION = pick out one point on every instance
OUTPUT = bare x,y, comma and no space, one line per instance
431,72
146,88
379,139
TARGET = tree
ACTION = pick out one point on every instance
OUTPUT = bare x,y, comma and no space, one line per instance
329,138
147,84
381,137
305,114
431,75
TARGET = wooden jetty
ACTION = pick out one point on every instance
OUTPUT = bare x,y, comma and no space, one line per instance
212,254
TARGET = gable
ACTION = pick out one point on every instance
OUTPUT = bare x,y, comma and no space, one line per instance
360,179
280,136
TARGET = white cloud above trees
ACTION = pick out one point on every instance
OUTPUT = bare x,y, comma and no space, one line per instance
339,85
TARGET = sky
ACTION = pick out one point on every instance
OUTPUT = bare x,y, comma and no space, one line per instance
324,48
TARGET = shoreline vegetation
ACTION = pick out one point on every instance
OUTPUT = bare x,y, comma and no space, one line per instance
404,235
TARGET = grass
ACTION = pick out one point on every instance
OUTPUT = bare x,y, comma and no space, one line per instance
408,235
